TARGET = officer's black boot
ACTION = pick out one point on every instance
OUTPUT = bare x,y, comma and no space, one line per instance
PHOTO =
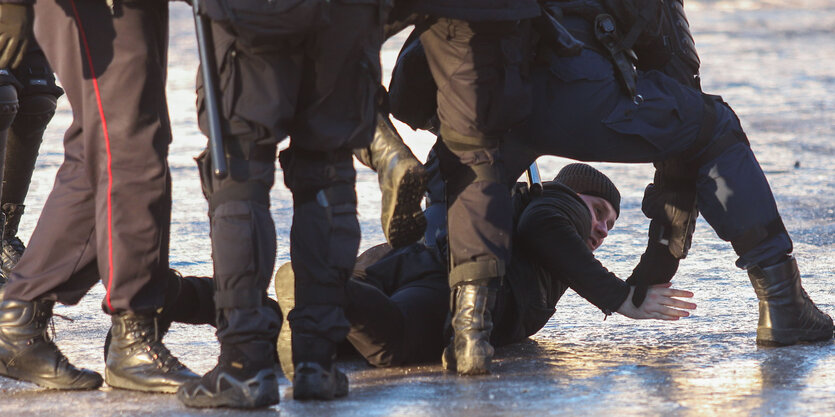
402,181
137,359
787,314
315,376
12,246
27,353
306,360
244,377
187,300
470,351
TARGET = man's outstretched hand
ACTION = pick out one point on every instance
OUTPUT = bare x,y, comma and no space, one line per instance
661,303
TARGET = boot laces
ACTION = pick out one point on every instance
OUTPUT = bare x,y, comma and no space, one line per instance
152,344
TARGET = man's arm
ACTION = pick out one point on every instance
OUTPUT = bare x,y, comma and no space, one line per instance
550,232
546,232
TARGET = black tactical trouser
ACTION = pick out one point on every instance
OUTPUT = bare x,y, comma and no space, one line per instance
108,215
482,92
37,95
320,90
582,113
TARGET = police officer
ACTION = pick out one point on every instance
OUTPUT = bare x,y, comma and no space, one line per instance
33,86
476,53
318,84
107,217
588,106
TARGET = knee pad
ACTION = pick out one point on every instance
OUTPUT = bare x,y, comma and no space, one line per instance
461,165
8,106
34,114
321,176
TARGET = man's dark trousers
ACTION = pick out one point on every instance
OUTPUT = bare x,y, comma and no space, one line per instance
108,214
320,90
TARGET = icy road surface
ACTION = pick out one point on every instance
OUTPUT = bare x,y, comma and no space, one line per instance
772,60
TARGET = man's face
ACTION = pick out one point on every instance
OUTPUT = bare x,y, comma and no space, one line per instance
603,218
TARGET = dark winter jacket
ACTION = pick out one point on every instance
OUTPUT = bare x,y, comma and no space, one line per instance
549,256
478,10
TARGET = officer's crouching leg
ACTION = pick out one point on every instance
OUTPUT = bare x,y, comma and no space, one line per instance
324,240
479,223
735,198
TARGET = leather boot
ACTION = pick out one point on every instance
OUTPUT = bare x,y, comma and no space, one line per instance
28,354
244,377
787,314
187,300
306,360
137,359
402,181
315,376
470,351
12,246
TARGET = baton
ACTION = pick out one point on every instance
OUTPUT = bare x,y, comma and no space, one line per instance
205,47
534,181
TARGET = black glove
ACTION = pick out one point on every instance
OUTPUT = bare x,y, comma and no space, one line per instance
15,31
657,266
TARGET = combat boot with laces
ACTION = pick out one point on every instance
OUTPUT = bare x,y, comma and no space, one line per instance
138,360
28,353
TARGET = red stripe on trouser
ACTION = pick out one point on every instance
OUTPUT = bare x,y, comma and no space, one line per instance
107,147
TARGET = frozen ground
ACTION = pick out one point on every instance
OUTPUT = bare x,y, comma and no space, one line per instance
772,60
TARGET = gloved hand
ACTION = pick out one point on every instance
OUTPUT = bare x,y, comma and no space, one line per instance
15,31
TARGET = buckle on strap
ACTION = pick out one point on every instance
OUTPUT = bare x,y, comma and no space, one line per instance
476,272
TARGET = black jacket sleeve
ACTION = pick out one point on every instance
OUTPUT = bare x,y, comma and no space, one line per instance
552,230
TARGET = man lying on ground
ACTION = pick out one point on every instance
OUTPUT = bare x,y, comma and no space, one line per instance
398,300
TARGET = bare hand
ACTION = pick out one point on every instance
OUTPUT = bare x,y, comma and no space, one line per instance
661,303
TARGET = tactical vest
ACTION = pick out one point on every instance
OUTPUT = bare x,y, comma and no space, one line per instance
637,34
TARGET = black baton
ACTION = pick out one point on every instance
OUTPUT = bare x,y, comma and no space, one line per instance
534,181
205,46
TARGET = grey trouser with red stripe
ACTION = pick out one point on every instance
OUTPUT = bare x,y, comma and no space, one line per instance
108,215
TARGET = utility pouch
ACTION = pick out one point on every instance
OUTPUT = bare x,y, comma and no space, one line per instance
605,30
256,21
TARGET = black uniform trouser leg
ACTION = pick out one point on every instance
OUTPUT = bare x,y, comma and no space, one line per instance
582,113
243,248
111,201
38,97
318,89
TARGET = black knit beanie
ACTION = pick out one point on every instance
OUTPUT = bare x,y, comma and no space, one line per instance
584,179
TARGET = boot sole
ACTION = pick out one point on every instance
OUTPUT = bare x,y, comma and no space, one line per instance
406,223
284,344
319,385
119,382
788,337
43,383
257,392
